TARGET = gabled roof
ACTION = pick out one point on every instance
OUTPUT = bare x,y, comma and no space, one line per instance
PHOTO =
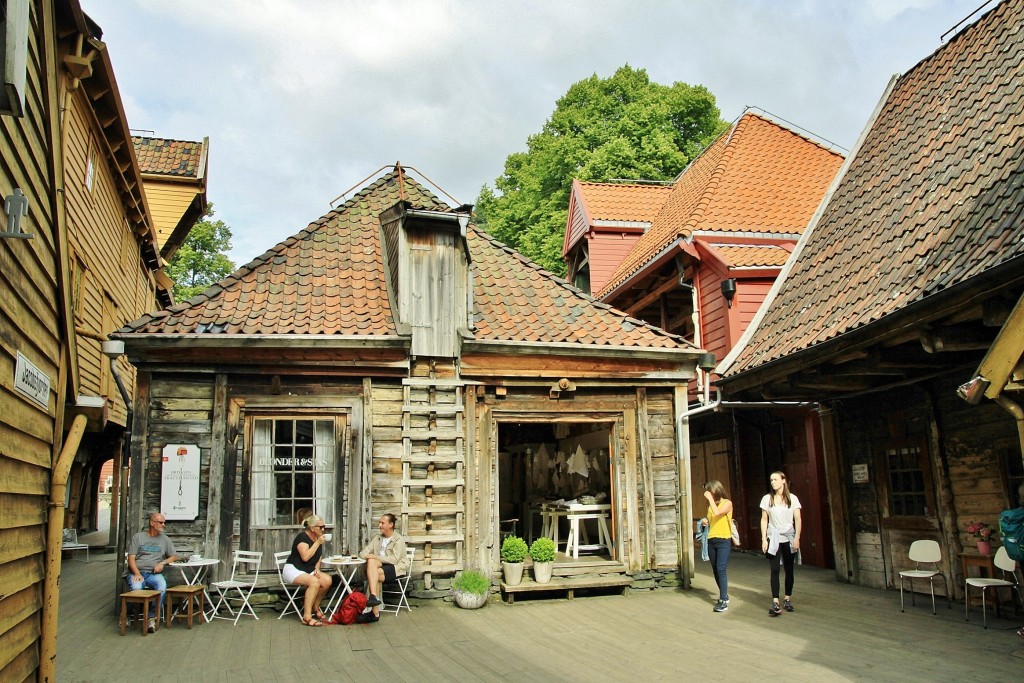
179,158
329,280
758,177
622,202
932,199
750,255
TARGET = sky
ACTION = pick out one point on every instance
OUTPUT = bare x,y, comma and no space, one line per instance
303,99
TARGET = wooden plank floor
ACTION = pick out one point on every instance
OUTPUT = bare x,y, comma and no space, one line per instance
838,633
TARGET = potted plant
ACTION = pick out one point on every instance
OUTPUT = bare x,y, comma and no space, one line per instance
470,589
542,551
985,535
513,552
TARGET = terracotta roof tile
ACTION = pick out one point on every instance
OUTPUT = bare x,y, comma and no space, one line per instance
514,299
933,197
751,255
623,202
182,158
757,177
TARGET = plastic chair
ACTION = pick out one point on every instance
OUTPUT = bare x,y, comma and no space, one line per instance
243,588
69,542
924,552
291,591
1008,568
403,583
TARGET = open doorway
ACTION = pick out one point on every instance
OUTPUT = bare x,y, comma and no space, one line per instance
552,472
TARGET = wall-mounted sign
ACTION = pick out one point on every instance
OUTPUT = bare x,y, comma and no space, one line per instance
860,474
179,479
32,382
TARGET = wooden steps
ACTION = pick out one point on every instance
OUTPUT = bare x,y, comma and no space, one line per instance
568,584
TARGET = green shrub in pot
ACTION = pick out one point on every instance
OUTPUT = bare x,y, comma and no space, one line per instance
543,550
513,549
470,589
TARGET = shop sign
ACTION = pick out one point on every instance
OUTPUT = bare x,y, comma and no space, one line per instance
179,490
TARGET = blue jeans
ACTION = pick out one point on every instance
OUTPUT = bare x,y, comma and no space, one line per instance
718,553
154,582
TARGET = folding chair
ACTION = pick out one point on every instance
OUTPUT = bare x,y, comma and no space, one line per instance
290,591
402,583
69,542
246,560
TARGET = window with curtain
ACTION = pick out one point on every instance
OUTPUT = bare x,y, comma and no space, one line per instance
293,467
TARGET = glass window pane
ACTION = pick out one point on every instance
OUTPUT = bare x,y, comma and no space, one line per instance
303,431
283,431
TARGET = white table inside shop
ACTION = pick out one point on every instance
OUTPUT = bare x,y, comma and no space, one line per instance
577,514
346,566
194,571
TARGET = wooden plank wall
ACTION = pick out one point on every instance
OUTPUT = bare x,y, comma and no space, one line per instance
29,323
168,201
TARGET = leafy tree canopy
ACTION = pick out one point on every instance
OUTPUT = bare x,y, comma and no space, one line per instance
624,126
201,260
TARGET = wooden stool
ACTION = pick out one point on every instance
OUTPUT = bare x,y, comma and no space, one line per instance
190,594
141,598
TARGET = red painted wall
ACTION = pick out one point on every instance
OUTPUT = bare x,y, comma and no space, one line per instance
606,253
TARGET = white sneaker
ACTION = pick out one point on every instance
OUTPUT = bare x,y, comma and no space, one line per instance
152,625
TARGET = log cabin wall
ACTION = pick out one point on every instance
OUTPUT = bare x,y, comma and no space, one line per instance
934,464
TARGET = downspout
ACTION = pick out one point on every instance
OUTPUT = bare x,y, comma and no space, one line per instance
54,529
1018,417
685,503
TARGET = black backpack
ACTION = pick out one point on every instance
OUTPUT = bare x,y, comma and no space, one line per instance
1011,528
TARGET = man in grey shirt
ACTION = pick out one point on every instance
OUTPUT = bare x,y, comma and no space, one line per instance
149,552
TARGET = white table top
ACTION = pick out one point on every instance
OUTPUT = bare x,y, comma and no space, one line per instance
204,562
342,560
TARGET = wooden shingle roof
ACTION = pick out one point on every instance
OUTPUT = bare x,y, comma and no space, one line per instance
932,199
329,280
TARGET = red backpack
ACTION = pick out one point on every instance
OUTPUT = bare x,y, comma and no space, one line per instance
351,607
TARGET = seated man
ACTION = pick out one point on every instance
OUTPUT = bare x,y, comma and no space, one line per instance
148,553
385,560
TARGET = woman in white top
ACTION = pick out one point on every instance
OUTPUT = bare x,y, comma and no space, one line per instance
780,536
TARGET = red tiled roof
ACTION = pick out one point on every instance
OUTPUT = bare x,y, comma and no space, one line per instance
623,202
933,197
182,158
757,177
329,280
751,255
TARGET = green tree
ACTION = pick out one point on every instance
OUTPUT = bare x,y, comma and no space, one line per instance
201,260
624,126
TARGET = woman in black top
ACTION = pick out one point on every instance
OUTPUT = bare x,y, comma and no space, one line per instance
303,568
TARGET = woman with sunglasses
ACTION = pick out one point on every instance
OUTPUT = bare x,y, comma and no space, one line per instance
303,569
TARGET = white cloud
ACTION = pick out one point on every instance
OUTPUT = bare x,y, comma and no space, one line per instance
303,99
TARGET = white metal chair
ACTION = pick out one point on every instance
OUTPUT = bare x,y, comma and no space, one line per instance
69,541
291,591
244,559
402,583
1009,569
925,552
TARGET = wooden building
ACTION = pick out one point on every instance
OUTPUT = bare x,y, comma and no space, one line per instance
393,358
907,284
78,257
697,259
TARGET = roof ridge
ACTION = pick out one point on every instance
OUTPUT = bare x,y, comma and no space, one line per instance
149,137
575,291
784,125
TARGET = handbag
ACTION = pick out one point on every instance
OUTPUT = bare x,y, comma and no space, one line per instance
735,531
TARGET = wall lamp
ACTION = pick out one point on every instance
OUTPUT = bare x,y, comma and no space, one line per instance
729,290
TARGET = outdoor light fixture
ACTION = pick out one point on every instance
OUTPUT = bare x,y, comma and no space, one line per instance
729,290
112,349
706,362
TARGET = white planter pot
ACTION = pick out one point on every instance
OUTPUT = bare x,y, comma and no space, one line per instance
542,571
513,572
469,600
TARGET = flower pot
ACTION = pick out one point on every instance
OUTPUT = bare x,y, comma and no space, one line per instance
542,571
513,572
985,547
469,600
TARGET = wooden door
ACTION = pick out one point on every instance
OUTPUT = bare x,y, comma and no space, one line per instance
708,460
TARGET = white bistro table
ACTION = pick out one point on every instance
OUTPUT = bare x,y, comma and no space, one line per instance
346,566
194,571
576,513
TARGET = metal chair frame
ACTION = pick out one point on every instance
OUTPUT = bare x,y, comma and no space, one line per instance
223,588
1008,567
925,552
403,585
291,591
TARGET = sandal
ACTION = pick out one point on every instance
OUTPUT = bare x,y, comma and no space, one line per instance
312,621
320,615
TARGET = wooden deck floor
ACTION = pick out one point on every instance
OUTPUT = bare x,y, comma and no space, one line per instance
839,633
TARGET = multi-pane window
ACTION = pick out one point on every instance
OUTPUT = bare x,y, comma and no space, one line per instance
293,467
907,489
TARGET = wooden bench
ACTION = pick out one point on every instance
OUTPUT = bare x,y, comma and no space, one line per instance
568,584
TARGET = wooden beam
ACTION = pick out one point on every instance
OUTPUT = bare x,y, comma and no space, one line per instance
652,296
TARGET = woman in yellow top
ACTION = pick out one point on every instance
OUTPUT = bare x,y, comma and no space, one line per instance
719,521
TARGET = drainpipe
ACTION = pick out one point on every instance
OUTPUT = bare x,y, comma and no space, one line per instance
1018,417
113,350
54,528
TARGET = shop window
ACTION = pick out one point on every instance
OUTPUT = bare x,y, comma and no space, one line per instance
293,467
908,479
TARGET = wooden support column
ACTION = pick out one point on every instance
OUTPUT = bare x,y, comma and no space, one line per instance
842,541
946,512
634,549
472,501
218,542
684,512
646,480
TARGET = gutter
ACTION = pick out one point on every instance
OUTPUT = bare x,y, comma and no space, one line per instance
54,528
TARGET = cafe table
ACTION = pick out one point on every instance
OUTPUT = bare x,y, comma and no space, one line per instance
194,570
346,566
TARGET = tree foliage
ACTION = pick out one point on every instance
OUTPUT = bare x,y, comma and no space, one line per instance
201,260
624,126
